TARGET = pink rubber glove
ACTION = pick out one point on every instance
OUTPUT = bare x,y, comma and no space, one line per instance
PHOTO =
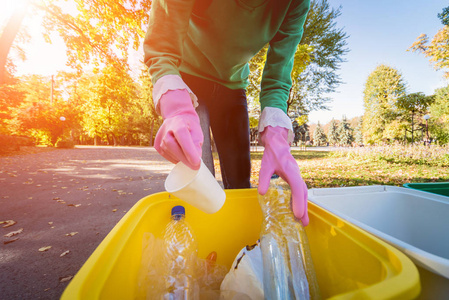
180,137
278,159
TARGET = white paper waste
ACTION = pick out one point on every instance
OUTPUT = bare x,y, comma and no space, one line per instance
246,273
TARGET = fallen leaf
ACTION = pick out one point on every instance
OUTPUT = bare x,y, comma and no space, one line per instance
29,198
75,205
50,223
61,201
64,253
10,241
43,249
56,198
114,210
64,279
71,233
47,289
8,223
63,187
13,233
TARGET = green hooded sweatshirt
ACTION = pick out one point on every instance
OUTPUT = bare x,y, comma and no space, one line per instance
215,39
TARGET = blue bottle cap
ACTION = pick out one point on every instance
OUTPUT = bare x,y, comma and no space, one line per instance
178,210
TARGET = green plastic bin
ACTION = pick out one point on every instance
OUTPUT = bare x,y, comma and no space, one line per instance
440,188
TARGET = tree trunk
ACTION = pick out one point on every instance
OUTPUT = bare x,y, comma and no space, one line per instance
8,36
151,133
114,140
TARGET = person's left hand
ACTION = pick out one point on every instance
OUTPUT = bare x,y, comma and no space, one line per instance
278,159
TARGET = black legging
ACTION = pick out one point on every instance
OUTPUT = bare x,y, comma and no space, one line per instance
228,117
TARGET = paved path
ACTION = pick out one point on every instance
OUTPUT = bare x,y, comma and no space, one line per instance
68,199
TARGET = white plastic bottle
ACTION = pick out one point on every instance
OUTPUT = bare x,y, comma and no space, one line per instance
180,258
288,267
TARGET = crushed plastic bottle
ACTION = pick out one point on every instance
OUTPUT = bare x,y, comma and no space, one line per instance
210,274
288,266
180,258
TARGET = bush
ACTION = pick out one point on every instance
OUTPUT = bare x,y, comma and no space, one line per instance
13,143
65,144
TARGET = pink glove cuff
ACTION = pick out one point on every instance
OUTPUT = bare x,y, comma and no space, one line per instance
174,103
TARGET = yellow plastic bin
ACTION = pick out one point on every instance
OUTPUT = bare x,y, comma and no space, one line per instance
350,263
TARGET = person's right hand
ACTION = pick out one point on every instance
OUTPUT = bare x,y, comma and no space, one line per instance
180,137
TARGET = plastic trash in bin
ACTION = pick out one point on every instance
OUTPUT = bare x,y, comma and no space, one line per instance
288,267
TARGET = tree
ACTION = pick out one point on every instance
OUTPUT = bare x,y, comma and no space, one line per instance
345,133
382,88
296,104
8,35
439,111
102,31
329,46
411,109
111,95
396,130
36,115
147,120
317,60
358,135
438,49
295,107
333,133
301,129
10,98
319,137
444,16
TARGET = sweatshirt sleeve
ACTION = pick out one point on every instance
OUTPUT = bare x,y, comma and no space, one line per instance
169,21
276,78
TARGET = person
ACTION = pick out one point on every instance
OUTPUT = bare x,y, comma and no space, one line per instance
197,53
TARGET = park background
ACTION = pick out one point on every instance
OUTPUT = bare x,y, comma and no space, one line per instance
75,73
77,118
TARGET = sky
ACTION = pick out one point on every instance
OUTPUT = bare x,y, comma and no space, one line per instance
380,32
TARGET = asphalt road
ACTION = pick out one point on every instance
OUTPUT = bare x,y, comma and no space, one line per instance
68,199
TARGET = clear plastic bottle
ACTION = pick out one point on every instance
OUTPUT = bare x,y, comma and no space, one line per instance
288,266
180,258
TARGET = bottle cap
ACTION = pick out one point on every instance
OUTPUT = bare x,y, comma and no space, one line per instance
178,210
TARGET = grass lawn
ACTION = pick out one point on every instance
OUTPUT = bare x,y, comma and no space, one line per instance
322,169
